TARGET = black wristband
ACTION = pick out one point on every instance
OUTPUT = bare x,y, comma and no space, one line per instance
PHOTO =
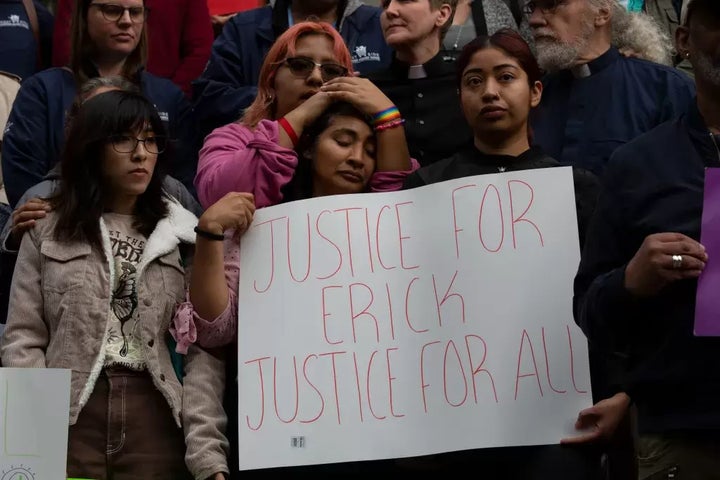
209,235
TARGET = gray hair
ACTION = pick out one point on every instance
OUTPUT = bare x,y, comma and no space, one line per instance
638,34
89,87
111,81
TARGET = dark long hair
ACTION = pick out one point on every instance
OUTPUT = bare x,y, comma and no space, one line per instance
83,50
510,42
300,186
82,195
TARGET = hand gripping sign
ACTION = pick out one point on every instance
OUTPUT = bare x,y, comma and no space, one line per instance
416,322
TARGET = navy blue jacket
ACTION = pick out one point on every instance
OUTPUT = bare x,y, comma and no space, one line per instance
581,121
18,48
229,83
35,131
653,184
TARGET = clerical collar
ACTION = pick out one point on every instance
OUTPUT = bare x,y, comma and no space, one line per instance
597,65
581,71
416,71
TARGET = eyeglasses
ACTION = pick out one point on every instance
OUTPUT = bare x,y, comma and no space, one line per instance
112,12
545,6
303,67
128,144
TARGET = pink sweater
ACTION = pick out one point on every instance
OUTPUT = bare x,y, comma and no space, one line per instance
235,158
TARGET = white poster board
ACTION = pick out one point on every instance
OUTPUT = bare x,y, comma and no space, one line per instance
408,323
34,416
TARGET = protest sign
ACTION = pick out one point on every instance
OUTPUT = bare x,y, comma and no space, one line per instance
34,416
707,313
407,323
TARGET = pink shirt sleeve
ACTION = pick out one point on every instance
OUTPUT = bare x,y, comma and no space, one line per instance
188,327
391,181
235,158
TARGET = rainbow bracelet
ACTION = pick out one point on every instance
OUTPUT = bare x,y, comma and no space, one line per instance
386,115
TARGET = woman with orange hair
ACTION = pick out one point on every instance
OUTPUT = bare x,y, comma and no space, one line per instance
313,130
306,70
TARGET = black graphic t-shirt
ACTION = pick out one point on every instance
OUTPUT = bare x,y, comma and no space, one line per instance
123,340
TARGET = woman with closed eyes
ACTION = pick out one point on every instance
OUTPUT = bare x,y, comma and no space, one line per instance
314,130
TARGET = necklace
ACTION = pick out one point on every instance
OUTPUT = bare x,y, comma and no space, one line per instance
459,34
462,25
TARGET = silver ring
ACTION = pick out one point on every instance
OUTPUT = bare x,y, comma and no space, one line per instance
677,261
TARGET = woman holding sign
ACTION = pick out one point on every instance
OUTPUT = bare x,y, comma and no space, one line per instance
94,290
499,83
339,157
313,131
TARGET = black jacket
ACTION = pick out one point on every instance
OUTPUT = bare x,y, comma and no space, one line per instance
653,184
434,123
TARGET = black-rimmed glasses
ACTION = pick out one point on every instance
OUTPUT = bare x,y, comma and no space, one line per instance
113,12
128,143
545,6
303,67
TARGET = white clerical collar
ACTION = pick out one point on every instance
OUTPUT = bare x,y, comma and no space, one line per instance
416,71
581,71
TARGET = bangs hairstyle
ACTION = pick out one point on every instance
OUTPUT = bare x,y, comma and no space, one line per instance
263,108
81,198
300,186
510,42
83,50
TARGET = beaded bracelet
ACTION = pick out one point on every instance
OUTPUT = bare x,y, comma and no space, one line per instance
390,124
385,116
289,130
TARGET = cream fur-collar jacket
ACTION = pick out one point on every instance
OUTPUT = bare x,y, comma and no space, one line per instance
60,307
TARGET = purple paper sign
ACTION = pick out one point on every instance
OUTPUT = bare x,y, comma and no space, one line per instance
707,307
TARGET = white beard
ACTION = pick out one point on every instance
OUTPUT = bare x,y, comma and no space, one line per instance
554,55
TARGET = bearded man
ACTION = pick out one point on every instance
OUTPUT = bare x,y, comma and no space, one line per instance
595,99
